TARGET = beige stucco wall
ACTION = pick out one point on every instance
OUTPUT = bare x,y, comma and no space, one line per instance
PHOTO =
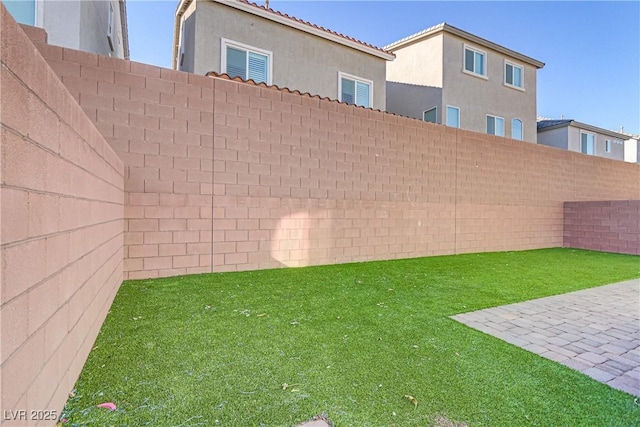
477,97
437,61
558,138
411,100
81,25
419,63
300,60
631,152
617,150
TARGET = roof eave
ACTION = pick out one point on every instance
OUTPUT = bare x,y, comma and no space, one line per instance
584,126
556,126
252,9
444,27
595,129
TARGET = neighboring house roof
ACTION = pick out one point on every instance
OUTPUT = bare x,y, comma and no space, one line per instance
284,19
545,125
444,27
226,76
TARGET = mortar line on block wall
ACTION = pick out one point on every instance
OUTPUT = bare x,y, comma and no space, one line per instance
56,233
59,156
61,270
51,193
61,120
117,269
213,175
455,198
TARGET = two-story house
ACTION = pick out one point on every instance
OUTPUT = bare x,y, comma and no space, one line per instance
449,76
250,41
582,138
97,26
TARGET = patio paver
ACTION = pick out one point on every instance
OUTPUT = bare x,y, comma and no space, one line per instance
595,331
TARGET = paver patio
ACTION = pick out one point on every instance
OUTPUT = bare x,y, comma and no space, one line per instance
595,331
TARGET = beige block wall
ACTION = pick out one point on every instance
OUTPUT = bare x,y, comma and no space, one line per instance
218,175
160,123
611,226
223,175
61,207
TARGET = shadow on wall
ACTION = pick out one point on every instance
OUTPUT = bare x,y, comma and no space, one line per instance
412,100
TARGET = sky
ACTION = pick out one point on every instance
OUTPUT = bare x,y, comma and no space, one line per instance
591,50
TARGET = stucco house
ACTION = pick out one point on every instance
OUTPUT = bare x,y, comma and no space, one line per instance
240,38
632,148
572,135
449,76
98,26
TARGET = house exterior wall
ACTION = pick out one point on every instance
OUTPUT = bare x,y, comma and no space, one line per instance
438,61
187,42
94,25
412,100
476,97
80,25
419,63
558,138
610,226
300,60
61,21
631,151
61,239
574,143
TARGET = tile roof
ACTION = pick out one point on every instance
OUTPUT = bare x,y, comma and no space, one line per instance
283,19
544,125
317,27
252,82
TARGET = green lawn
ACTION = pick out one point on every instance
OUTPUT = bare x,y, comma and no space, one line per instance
347,340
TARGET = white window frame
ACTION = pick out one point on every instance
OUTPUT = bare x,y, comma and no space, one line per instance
593,148
459,116
494,125
426,111
237,45
464,61
514,65
521,129
607,146
347,76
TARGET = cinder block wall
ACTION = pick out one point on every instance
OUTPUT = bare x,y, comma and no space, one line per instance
160,123
61,206
224,175
611,226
